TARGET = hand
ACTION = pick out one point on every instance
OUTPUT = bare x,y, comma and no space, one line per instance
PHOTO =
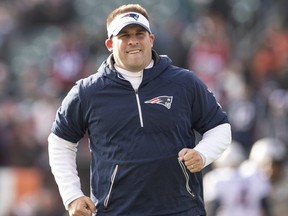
192,159
82,206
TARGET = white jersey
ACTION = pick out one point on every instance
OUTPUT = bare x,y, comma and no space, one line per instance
239,191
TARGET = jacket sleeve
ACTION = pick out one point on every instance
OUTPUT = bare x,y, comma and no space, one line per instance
69,123
207,112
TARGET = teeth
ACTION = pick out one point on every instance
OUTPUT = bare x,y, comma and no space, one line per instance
134,51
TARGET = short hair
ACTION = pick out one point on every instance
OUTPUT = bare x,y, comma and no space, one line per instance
124,9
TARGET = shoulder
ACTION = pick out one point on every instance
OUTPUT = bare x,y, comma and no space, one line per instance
167,70
96,79
92,80
178,74
183,77
84,88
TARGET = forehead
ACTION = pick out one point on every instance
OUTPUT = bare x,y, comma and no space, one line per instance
132,27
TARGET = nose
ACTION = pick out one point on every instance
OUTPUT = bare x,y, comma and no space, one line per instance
133,40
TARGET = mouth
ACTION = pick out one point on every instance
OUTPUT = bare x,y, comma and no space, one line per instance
134,51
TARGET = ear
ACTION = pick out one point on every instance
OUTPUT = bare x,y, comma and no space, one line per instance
152,38
109,44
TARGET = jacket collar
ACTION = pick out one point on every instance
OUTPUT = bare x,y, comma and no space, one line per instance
160,64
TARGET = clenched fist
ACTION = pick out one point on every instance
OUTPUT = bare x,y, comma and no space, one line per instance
192,159
82,206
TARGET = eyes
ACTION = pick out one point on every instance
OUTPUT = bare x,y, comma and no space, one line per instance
127,35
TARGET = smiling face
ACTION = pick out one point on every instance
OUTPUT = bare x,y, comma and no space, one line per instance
131,48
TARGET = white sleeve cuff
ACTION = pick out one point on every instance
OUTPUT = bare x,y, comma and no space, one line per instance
214,142
62,160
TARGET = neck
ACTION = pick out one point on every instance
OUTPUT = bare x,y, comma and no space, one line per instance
135,78
119,69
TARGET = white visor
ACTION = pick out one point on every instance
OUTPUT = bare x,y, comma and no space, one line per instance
125,19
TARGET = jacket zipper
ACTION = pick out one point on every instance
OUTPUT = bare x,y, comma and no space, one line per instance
139,108
138,102
183,167
106,201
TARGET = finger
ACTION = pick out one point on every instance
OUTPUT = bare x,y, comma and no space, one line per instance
196,160
80,211
188,157
182,153
193,168
80,207
90,205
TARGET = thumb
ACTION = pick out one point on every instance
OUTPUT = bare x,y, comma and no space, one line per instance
182,153
90,204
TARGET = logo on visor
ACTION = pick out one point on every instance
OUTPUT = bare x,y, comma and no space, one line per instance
134,16
162,100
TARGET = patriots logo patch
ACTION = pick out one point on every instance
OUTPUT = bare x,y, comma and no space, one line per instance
162,100
134,16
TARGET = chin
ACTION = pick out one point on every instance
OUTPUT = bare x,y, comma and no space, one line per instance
136,67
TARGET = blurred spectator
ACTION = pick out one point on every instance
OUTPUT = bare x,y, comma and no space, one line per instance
270,155
34,13
24,193
235,188
270,57
19,190
8,23
5,83
69,58
210,50
239,101
277,116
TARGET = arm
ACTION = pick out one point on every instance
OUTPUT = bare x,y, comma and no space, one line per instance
62,159
211,146
214,143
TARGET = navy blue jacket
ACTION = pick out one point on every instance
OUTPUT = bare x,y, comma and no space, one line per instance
135,137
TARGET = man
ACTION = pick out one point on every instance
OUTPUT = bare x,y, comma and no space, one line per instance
140,113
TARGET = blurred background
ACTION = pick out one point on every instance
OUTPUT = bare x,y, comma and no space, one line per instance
238,48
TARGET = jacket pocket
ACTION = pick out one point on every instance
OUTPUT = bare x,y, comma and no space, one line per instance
186,175
112,180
